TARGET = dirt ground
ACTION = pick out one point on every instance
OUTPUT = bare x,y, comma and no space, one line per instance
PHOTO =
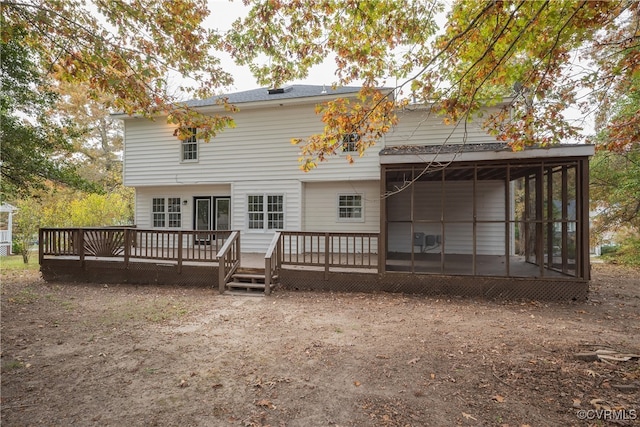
97,355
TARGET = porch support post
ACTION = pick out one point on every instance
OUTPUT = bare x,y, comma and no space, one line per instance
526,218
549,223
442,222
582,241
507,223
382,235
539,213
474,231
565,218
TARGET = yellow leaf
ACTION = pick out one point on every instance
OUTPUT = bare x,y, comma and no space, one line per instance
498,398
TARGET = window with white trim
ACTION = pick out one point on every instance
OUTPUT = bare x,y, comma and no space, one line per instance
350,207
265,211
166,212
190,147
349,142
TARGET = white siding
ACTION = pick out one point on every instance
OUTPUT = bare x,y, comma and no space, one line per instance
144,196
258,148
418,127
320,214
259,240
458,206
321,206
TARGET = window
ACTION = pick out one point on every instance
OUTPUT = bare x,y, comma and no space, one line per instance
266,216
190,147
350,207
166,212
349,142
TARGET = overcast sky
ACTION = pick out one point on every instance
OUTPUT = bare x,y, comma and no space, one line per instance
223,14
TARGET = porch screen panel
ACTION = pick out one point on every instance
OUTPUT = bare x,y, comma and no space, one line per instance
399,227
458,248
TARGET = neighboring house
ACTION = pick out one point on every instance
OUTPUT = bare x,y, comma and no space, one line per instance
6,225
445,200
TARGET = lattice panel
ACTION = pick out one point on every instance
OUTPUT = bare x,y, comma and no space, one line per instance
495,288
137,272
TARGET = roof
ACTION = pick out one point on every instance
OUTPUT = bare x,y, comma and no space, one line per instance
6,207
478,152
266,94
446,148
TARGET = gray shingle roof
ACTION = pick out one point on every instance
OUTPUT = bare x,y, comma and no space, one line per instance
262,94
446,148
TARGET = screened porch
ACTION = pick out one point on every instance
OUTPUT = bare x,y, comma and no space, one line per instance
524,218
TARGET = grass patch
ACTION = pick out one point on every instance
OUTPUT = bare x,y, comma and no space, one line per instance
15,263
25,296
12,365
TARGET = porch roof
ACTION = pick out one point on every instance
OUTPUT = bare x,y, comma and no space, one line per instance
6,207
477,152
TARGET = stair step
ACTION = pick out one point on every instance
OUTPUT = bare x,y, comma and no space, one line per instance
243,285
248,276
234,292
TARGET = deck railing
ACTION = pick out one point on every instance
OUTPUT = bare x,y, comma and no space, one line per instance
329,250
5,236
272,261
228,260
132,243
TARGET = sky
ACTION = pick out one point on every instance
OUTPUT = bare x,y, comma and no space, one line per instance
223,14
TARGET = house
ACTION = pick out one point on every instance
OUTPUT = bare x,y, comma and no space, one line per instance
6,226
443,209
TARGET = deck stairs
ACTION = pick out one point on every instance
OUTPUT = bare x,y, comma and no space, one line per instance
249,281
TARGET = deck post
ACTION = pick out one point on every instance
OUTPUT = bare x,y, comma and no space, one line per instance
127,247
180,252
81,246
326,256
267,276
221,273
40,246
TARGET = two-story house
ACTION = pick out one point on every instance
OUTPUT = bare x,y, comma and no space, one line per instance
449,201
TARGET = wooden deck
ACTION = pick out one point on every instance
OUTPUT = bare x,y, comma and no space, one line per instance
294,260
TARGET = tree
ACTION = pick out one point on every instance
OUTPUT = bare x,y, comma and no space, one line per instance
100,146
615,190
615,174
485,50
129,50
26,224
65,208
35,146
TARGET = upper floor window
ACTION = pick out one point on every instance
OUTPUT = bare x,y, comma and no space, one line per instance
166,212
190,147
265,212
350,207
350,142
